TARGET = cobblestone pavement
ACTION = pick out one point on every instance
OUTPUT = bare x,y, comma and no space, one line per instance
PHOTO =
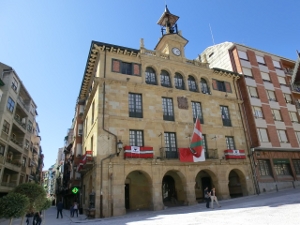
281,207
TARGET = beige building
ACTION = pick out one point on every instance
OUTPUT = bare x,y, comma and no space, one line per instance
150,99
21,158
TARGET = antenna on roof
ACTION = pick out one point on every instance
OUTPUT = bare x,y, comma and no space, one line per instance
212,36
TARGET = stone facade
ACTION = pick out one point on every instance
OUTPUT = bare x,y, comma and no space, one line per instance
113,75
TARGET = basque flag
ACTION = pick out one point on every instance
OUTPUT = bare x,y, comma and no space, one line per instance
195,152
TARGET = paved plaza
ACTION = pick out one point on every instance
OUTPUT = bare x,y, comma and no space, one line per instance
281,207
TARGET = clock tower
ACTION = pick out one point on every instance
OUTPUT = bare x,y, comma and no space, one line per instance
171,42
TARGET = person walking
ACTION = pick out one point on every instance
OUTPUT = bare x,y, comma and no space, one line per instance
71,211
29,218
207,196
75,209
59,208
214,197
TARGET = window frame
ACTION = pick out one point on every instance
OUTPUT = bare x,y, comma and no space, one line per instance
165,79
14,84
282,81
243,55
260,113
150,76
168,109
179,81
171,149
133,99
136,137
263,138
10,104
264,167
204,86
252,89
293,117
265,76
192,84
5,127
260,59
225,116
281,138
230,142
248,73
282,169
197,110
276,114
269,97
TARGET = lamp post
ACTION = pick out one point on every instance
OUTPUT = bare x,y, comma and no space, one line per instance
119,147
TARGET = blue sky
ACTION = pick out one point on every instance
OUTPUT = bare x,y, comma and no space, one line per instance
47,42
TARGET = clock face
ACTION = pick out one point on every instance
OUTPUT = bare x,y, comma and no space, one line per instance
176,51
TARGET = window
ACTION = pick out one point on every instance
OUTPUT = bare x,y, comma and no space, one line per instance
282,80
265,76
296,163
282,136
247,72
288,98
260,59
204,86
14,84
271,96
126,68
298,136
2,149
26,144
165,79
170,145
192,84
29,126
221,86
282,168
262,135
276,115
32,109
136,138
197,111
86,125
178,81
276,64
167,104
135,105
93,111
264,167
92,143
150,76
253,92
204,146
225,116
243,55
293,117
230,142
10,104
23,162
257,111
5,127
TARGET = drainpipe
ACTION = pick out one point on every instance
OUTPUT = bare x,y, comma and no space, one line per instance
103,127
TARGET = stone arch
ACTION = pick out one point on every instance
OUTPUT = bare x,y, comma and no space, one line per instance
165,78
174,188
204,178
237,184
150,76
192,83
138,190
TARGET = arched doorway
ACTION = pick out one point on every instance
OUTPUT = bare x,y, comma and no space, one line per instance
204,179
237,184
138,191
173,193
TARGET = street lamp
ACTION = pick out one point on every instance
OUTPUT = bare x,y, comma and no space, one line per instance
119,147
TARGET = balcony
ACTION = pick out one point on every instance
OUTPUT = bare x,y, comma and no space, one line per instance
16,142
6,184
13,164
23,105
4,135
21,124
169,153
2,159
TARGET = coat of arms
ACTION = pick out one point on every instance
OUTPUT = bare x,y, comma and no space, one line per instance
182,103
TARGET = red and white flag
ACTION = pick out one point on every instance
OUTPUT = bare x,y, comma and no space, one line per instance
138,152
195,153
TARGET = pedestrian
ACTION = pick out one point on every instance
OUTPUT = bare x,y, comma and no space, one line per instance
59,208
71,211
29,218
75,209
38,218
207,196
214,197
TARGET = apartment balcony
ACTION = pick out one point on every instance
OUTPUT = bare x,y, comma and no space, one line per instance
6,184
16,143
13,164
21,124
2,159
4,135
23,105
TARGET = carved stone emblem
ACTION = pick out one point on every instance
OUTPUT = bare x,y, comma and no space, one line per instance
182,103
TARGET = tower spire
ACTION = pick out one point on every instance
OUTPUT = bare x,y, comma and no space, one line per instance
167,22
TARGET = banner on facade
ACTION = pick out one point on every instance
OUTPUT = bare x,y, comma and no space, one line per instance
185,155
138,152
234,154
